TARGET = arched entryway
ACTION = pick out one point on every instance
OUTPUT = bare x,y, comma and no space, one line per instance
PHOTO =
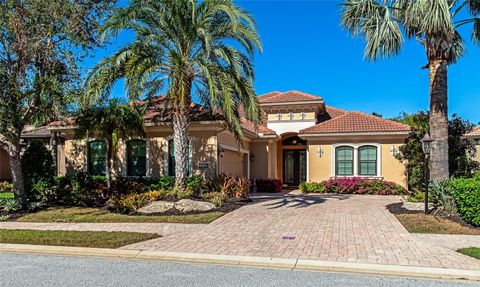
294,153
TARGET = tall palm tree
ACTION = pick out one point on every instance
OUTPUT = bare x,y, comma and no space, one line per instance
111,123
186,48
435,24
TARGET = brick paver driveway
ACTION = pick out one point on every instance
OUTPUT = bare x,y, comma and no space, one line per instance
344,228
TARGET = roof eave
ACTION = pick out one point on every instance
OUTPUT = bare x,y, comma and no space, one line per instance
321,102
353,134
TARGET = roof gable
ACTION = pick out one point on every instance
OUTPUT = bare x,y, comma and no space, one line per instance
287,97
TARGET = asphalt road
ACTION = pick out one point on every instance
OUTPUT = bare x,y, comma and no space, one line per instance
39,271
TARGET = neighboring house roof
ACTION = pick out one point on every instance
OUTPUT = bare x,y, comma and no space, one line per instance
475,133
40,132
287,97
356,122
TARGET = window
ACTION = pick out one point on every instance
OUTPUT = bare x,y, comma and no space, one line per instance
344,160
295,140
171,159
136,158
97,158
367,160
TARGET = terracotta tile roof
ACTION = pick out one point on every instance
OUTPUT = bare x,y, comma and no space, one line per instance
40,132
356,122
291,96
331,113
249,126
474,133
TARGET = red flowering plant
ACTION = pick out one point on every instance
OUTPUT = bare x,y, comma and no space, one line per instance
354,185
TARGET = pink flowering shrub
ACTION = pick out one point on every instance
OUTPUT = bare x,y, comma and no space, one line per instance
354,185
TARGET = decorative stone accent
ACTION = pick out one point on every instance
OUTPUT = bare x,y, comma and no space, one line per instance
188,205
182,206
157,207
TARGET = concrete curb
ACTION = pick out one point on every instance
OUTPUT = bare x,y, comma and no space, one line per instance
249,261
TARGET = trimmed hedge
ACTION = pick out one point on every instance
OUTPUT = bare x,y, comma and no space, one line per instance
466,193
353,185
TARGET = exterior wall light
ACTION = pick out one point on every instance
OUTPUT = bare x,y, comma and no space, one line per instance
394,150
252,157
320,151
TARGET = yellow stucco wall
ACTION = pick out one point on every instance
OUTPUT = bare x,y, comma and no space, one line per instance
259,166
232,163
321,168
204,149
477,153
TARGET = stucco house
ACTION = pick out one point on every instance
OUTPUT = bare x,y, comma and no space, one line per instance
301,139
475,136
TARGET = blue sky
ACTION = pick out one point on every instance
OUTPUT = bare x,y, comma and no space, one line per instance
306,49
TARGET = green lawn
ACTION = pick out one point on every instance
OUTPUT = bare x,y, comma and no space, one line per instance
96,215
6,195
100,239
471,251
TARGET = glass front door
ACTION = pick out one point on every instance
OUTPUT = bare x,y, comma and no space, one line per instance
294,167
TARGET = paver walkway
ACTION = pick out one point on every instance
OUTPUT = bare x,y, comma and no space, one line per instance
345,228
450,241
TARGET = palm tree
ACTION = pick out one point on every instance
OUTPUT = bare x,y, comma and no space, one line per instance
435,24
186,48
111,122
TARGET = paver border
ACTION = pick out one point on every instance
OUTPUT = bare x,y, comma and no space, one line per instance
249,261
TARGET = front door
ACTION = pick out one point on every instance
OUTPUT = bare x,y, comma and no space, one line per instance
294,167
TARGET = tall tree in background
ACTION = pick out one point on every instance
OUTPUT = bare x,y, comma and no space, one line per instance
435,24
461,150
41,43
186,48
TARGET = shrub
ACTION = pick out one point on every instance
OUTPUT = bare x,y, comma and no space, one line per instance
356,185
416,196
9,205
312,187
216,198
466,193
6,187
124,185
440,196
129,203
268,185
37,165
235,186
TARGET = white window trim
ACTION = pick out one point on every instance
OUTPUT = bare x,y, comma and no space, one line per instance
165,155
125,154
356,159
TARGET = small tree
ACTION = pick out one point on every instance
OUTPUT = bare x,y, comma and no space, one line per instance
37,165
41,44
111,122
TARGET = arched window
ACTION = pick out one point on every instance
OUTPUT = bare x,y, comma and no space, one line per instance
295,140
136,158
97,158
367,160
344,160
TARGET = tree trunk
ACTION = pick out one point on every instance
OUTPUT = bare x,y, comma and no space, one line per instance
180,123
17,174
439,120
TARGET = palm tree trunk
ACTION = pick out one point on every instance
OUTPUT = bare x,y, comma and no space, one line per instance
17,174
439,120
181,123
